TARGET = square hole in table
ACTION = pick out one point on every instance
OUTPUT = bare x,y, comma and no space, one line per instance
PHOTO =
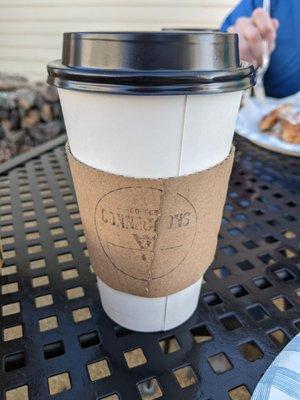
238,291
261,282
245,265
212,299
58,244
135,357
270,239
12,333
39,263
279,337
81,314
7,240
89,339
121,332
51,209
228,250
98,370
81,239
57,231
230,322
239,393
266,258
47,201
9,270
251,351
27,203
291,204
235,232
273,222
221,272
66,257
288,252
169,345
52,350
53,220
43,301
75,293
30,224
5,207
69,274
32,235
250,244
185,376
11,308
258,312
59,383
18,393
9,288
288,234
8,254
220,363
297,324
241,216
282,303
71,206
14,361
284,274
201,334
28,213
48,323
149,389
5,217
78,227
7,228
68,197
40,281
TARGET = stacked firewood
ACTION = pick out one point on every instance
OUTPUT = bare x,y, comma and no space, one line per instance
29,115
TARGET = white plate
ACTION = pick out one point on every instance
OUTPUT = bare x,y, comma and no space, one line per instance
248,124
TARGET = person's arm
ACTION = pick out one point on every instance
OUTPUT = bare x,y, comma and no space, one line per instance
254,26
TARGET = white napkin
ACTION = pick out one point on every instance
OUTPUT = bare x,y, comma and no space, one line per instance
281,381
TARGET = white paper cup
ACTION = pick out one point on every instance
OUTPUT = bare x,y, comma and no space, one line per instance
150,136
150,105
153,137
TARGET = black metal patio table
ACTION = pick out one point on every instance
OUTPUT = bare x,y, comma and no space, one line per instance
57,343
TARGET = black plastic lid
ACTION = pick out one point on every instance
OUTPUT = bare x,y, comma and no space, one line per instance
186,62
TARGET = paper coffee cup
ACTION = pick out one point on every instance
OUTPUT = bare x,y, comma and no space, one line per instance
157,105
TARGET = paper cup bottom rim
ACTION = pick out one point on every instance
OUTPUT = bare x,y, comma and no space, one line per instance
144,314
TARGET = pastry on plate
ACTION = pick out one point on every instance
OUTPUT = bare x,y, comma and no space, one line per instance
284,123
269,120
291,129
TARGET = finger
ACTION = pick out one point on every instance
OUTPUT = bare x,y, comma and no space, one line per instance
244,50
275,23
263,22
252,36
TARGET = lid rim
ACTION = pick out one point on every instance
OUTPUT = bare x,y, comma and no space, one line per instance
162,89
173,62
139,82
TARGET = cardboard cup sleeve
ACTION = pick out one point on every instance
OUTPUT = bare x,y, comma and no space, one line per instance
151,237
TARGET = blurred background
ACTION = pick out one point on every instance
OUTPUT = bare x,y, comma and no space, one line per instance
31,30
31,35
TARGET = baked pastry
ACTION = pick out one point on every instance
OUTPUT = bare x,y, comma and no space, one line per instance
269,120
291,129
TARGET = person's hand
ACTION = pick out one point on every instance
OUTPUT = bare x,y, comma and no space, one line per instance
252,32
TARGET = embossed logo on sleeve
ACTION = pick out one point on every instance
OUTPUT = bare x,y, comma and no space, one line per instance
139,229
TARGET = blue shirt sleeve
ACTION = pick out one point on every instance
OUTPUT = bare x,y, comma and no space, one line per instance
243,9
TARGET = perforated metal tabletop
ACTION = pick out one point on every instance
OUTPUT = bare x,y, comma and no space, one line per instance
57,343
